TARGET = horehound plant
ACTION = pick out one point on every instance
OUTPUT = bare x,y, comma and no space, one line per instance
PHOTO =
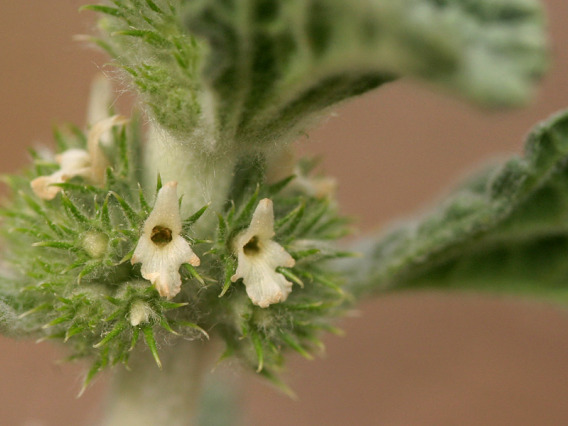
199,237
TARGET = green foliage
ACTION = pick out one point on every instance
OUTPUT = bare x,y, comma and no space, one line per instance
265,70
306,227
235,78
161,59
504,230
69,276
273,65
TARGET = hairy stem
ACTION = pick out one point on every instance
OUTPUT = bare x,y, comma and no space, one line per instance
203,178
145,395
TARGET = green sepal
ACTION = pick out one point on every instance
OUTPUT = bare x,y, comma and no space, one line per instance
151,342
230,268
193,273
192,326
291,221
187,223
290,275
129,212
61,245
151,37
114,333
96,368
275,381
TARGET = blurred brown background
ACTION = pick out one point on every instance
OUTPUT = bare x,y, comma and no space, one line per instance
412,359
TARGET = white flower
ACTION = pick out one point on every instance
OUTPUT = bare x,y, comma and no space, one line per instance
161,249
258,258
90,164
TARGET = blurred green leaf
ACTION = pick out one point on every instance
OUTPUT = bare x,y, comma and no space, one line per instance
249,72
272,65
505,230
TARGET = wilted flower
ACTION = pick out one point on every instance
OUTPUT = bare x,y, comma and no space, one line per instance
258,258
90,164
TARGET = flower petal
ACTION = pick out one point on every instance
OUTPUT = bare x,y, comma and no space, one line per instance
166,210
140,313
99,162
160,265
42,186
161,249
265,286
73,162
258,257
262,222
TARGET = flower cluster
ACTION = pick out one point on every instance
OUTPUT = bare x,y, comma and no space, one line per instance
162,250
96,265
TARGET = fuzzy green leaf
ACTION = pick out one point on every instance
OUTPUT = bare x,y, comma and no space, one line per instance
248,72
148,42
229,271
135,336
193,273
259,351
273,65
290,341
129,213
96,368
62,245
290,275
193,326
73,210
506,229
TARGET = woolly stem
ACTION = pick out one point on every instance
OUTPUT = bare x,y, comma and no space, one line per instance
145,395
203,178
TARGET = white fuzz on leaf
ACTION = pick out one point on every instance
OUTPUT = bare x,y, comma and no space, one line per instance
258,258
90,164
161,249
